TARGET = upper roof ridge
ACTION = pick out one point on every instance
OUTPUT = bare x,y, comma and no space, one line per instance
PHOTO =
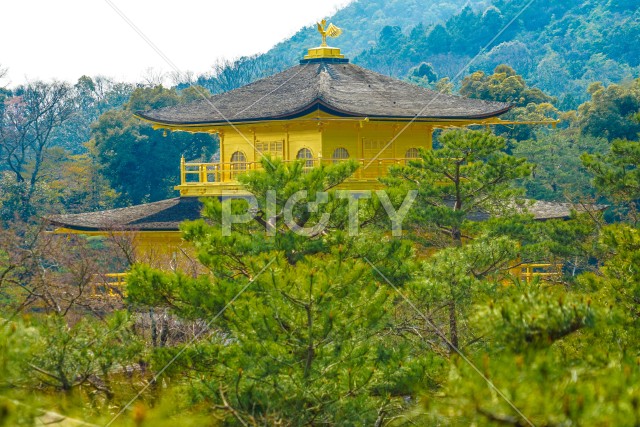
345,89
323,81
324,67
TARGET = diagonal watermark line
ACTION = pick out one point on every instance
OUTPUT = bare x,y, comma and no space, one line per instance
455,78
450,344
179,72
174,358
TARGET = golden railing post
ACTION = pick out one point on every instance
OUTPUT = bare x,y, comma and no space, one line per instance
183,171
202,175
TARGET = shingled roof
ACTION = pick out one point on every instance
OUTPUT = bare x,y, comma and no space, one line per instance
341,89
168,214
556,210
165,215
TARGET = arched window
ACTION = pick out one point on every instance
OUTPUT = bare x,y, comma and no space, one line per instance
339,154
306,154
238,163
412,153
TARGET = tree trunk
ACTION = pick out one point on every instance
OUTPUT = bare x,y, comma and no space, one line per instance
154,329
453,325
456,236
310,348
164,333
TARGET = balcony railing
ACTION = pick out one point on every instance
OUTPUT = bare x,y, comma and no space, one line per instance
219,173
111,285
528,272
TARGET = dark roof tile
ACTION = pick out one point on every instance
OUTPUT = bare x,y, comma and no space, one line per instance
165,215
341,89
168,214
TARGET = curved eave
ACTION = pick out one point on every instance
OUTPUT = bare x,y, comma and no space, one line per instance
317,105
76,229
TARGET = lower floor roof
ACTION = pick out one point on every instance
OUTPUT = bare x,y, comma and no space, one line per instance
166,215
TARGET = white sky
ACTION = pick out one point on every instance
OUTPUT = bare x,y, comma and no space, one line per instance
64,39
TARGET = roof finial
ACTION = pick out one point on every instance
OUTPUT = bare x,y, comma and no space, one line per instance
325,52
331,31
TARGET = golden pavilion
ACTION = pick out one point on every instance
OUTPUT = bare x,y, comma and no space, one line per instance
324,110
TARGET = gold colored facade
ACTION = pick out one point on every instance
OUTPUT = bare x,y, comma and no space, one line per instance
318,138
315,139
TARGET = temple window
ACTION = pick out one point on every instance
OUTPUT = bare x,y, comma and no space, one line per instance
412,153
305,153
339,154
238,163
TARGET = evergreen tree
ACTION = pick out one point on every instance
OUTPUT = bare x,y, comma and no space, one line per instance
301,325
557,354
611,111
559,174
617,176
469,175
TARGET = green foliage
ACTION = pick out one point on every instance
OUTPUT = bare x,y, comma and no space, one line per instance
423,75
145,98
469,175
27,122
561,47
72,184
561,355
530,316
572,243
92,97
514,53
621,274
548,387
49,367
453,277
466,179
503,85
14,195
78,183
16,345
13,413
64,357
301,321
390,40
306,344
47,353
559,173
42,128
611,111
617,176
531,113
141,163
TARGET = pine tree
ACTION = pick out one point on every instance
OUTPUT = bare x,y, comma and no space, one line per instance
307,333
469,177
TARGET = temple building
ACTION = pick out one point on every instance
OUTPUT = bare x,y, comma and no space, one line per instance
324,110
